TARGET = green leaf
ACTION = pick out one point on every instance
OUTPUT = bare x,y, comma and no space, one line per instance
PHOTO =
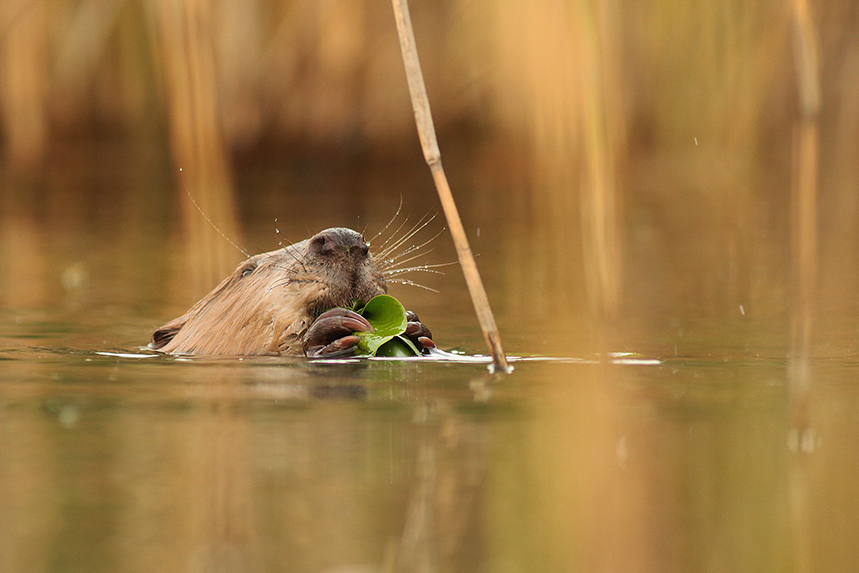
388,317
398,347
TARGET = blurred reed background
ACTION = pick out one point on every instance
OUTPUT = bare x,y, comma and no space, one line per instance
662,166
616,156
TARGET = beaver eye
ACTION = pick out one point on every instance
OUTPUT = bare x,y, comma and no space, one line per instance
248,270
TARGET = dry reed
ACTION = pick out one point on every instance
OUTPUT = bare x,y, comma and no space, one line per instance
804,230
429,143
805,268
197,145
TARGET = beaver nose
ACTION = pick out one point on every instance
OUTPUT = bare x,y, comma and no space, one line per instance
342,240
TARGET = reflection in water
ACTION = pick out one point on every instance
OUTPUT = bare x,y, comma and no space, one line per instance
114,463
189,485
617,155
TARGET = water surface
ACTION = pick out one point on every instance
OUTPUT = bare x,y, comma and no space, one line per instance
124,463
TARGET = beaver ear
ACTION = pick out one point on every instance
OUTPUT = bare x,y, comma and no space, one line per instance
165,334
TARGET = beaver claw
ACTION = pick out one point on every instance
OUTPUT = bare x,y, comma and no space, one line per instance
331,335
419,334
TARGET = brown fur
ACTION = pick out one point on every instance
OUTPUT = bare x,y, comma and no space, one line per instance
267,304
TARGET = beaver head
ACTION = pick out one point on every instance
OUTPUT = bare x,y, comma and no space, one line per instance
271,299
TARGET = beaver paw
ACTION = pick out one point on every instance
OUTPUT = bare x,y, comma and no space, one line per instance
331,335
419,334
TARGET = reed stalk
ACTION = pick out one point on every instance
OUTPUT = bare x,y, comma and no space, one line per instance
802,438
185,38
804,209
432,155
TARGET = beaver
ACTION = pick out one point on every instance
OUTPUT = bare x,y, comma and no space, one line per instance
288,302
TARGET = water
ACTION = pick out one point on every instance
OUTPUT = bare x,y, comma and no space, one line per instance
142,463
670,182
686,455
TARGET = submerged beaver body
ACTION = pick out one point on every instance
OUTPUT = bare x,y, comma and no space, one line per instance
280,303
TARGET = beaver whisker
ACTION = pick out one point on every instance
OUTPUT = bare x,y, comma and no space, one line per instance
386,246
399,272
390,277
289,249
296,266
394,236
299,263
208,220
386,263
391,222
419,268
393,263
387,249
280,238
393,242
408,282
292,253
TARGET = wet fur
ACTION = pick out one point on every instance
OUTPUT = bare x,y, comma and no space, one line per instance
270,300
